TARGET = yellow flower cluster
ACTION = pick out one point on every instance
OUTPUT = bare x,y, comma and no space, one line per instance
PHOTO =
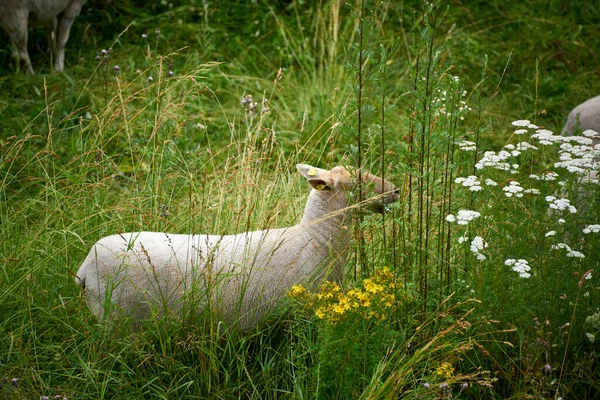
445,369
372,300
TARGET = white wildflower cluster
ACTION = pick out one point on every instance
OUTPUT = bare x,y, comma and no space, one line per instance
466,145
522,146
497,161
512,150
560,204
521,266
471,182
463,217
591,229
531,191
546,137
514,188
570,252
463,239
550,233
547,176
581,158
490,182
524,123
477,246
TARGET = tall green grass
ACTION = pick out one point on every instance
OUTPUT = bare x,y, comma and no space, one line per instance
393,87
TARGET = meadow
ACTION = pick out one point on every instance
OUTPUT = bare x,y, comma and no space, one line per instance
482,282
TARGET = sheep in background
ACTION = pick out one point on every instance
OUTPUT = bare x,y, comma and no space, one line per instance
585,116
238,277
57,15
584,120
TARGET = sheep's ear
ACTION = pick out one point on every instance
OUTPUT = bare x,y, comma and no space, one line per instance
320,184
310,172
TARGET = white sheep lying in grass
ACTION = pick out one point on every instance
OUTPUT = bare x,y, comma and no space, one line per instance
57,15
240,278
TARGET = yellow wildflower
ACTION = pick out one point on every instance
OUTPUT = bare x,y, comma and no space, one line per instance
296,291
445,369
320,312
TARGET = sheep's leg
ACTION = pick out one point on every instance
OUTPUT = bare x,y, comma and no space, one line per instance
16,28
52,26
62,35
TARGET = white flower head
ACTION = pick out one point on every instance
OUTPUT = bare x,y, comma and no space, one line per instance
550,233
514,188
560,204
490,182
466,145
477,245
471,182
450,218
591,229
463,217
521,266
521,122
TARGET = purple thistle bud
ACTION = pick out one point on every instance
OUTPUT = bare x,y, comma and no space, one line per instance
14,382
116,69
426,385
463,387
44,398
58,397
103,52
150,79
547,369
170,74
98,58
443,385
144,36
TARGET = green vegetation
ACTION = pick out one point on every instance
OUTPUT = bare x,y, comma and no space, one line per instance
463,289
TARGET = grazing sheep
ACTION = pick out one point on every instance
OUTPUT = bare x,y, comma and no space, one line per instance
238,277
57,15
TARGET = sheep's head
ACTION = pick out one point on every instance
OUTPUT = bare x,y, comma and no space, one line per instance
377,192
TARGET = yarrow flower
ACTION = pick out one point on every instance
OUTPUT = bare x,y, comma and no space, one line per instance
531,191
591,229
521,266
466,145
550,233
548,176
471,182
494,160
477,245
463,217
514,188
490,182
560,204
521,122
570,252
